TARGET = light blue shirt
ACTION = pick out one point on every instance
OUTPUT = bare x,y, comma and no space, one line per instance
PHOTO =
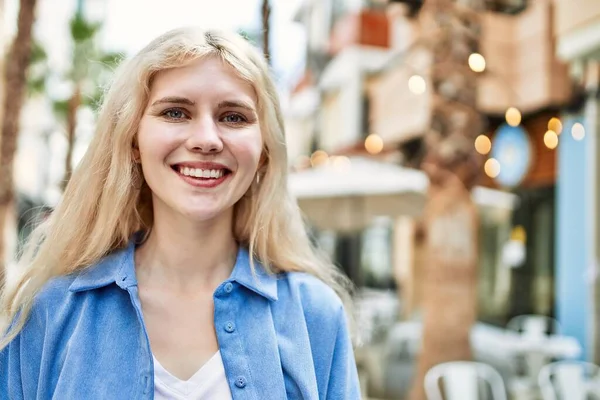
281,337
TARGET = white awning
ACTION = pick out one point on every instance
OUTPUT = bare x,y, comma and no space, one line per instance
346,197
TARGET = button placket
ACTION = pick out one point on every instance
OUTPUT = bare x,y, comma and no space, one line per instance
226,305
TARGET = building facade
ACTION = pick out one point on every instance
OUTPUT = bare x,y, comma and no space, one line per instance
577,28
367,82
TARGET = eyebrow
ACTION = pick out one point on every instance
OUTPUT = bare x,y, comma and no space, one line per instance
174,100
186,101
236,104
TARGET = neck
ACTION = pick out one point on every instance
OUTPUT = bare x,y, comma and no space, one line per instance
182,254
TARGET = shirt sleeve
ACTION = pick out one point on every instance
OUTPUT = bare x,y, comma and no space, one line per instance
343,379
11,386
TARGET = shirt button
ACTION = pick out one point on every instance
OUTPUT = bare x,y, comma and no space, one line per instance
228,287
229,327
240,382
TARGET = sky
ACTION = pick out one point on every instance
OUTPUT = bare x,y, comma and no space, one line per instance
131,24
154,18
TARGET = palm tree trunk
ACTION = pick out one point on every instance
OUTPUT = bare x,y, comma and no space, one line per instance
74,103
17,61
266,14
451,219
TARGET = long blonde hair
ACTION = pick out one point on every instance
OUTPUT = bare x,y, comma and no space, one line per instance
107,201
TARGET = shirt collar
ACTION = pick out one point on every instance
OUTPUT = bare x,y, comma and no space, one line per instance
119,267
258,279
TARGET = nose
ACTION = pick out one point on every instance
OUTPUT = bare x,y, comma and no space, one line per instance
204,137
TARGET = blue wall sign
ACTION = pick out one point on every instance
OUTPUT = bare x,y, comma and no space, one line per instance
512,148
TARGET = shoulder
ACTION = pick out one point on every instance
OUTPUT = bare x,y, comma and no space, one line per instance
62,296
320,304
47,303
56,289
313,291
326,325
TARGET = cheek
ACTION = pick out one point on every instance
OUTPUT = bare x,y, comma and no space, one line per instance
154,140
247,150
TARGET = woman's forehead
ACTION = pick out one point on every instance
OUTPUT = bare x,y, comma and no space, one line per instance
203,76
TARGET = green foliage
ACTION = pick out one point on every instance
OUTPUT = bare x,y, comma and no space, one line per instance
94,99
83,30
90,69
38,53
112,60
61,108
38,70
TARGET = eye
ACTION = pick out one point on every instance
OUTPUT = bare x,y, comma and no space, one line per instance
234,118
174,114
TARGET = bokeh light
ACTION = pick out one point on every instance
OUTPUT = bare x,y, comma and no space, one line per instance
551,139
578,131
416,84
513,116
492,168
319,157
483,144
477,62
374,143
555,125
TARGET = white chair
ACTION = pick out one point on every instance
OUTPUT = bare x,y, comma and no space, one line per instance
461,381
567,380
534,325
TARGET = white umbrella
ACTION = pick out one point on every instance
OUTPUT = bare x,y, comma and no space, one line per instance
346,196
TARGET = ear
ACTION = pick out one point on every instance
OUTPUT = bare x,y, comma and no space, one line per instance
263,160
135,151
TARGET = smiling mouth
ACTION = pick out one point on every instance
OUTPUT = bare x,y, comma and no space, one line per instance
201,174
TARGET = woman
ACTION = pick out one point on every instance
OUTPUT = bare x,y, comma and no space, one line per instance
177,265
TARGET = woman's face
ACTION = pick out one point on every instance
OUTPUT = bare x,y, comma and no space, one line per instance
199,139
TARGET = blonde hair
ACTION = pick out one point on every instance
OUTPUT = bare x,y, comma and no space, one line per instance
107,201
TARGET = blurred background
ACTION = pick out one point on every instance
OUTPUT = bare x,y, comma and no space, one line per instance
444,153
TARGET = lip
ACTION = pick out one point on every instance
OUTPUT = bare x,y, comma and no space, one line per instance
202,183
201,165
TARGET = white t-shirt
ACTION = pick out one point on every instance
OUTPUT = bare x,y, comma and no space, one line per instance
208,383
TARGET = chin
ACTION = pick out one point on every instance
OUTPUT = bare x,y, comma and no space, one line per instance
194,209
205,214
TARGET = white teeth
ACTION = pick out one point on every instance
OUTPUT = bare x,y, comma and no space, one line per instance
202,173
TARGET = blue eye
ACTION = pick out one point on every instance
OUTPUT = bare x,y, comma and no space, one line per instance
174,113
234,118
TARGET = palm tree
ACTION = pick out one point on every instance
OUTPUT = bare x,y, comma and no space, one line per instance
17,62
89,65
449,277
266,14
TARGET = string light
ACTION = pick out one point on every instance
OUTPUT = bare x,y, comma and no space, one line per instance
578,131
319,157
374,143
341,163
513,116
492,168
416,84
551,139
477,62
555,125
483,144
